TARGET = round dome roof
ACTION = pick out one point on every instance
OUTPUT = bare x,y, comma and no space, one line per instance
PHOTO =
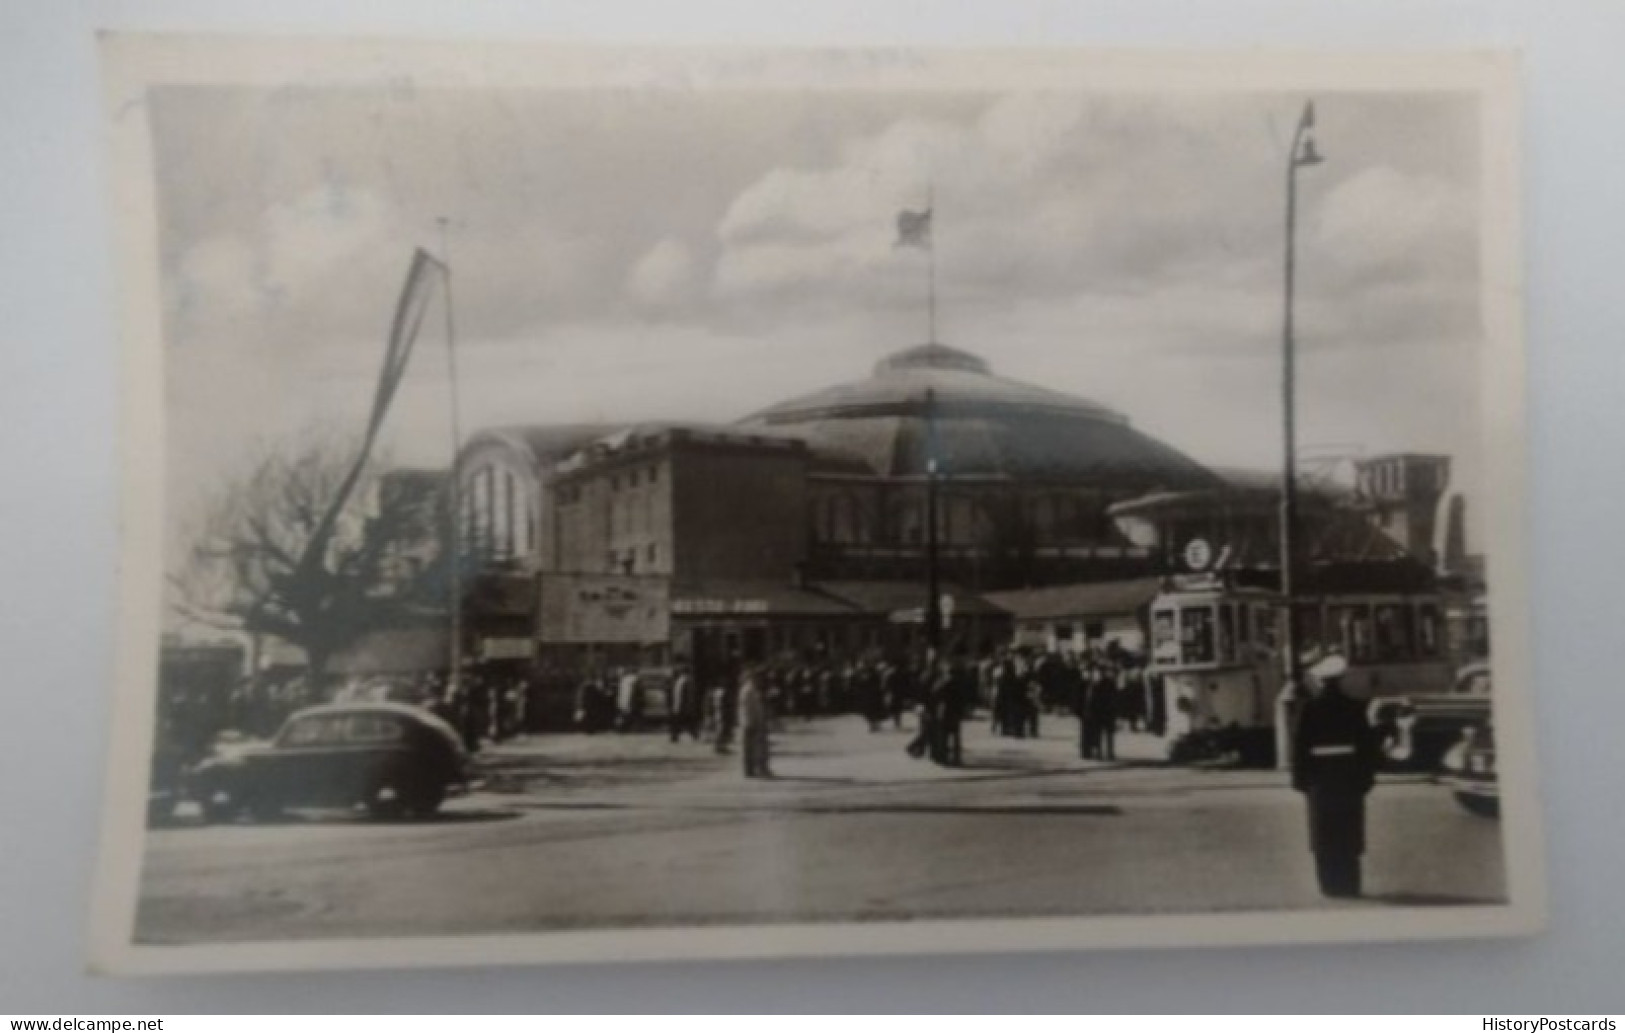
986,425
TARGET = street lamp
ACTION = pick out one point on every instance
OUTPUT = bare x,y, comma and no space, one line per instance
1301,155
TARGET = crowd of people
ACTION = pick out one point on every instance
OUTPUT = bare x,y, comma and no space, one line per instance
740,703
744,703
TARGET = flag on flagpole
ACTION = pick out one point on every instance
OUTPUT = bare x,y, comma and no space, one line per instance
914,229
416,293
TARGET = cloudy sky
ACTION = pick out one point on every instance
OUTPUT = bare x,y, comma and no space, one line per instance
648,254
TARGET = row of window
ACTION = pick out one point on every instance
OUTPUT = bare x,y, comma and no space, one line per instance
1388,479
627,561
842,519
624,481
499,518
1209,633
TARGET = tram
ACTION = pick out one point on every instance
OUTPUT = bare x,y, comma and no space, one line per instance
1214,651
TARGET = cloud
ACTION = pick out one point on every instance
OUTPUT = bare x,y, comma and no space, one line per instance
303,261
664,277
611,251
1382,224
1174,209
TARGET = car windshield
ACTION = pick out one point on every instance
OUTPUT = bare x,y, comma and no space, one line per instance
340,729
317,730
372,728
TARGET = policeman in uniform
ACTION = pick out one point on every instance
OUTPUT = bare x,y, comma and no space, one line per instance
1334,764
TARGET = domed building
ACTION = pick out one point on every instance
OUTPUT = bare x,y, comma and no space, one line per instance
801,528
1026,474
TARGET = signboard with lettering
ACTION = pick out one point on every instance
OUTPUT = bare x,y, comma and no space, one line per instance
708,607
579,609
507,649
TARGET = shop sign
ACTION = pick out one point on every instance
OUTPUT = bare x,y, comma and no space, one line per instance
506,649
603,608
703,607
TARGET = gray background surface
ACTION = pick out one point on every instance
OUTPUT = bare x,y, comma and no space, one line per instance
58,397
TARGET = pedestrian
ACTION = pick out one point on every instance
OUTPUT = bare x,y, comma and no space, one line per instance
717,720
628,704
1088,728
1006,705
1103,712
925,742
753,718
1156,700
1334,764
898,689
951,709
1130,694
1032,696
683,709
1076,688
871,701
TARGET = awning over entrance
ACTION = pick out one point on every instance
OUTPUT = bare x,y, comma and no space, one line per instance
755,599
1093,599
886,598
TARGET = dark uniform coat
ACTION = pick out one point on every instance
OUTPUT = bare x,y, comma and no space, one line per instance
1334,764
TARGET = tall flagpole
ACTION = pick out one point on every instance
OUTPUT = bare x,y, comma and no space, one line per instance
931,264
455,535
933,578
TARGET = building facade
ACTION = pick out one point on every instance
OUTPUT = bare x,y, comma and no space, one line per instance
799,531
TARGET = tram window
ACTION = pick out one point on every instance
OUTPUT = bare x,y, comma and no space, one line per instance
1196,635
1394,632
1264,623
1164,640
1227,633
1310,634
1244,624
1428,629
1353,623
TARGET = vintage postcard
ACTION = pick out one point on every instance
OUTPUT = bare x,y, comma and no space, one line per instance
587,503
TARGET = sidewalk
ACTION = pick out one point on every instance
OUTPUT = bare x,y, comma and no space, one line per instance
824,753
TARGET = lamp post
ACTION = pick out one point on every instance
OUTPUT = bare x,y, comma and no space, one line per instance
933,577
1301,154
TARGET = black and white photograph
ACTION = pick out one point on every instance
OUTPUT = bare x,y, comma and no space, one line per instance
588,503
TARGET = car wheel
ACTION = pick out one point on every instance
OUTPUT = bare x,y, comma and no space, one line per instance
265,808
425,800
1483,806
218,808
385,802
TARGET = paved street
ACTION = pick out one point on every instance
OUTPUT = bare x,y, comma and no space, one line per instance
573,831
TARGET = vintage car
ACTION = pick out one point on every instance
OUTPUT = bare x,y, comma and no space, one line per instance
390,758
1469,770
1418,729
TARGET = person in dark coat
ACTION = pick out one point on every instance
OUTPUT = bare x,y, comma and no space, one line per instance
950,696
1076,681
1103,711
898,684
871,702
1334,764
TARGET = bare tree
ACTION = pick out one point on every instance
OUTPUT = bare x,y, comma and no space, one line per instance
303,547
